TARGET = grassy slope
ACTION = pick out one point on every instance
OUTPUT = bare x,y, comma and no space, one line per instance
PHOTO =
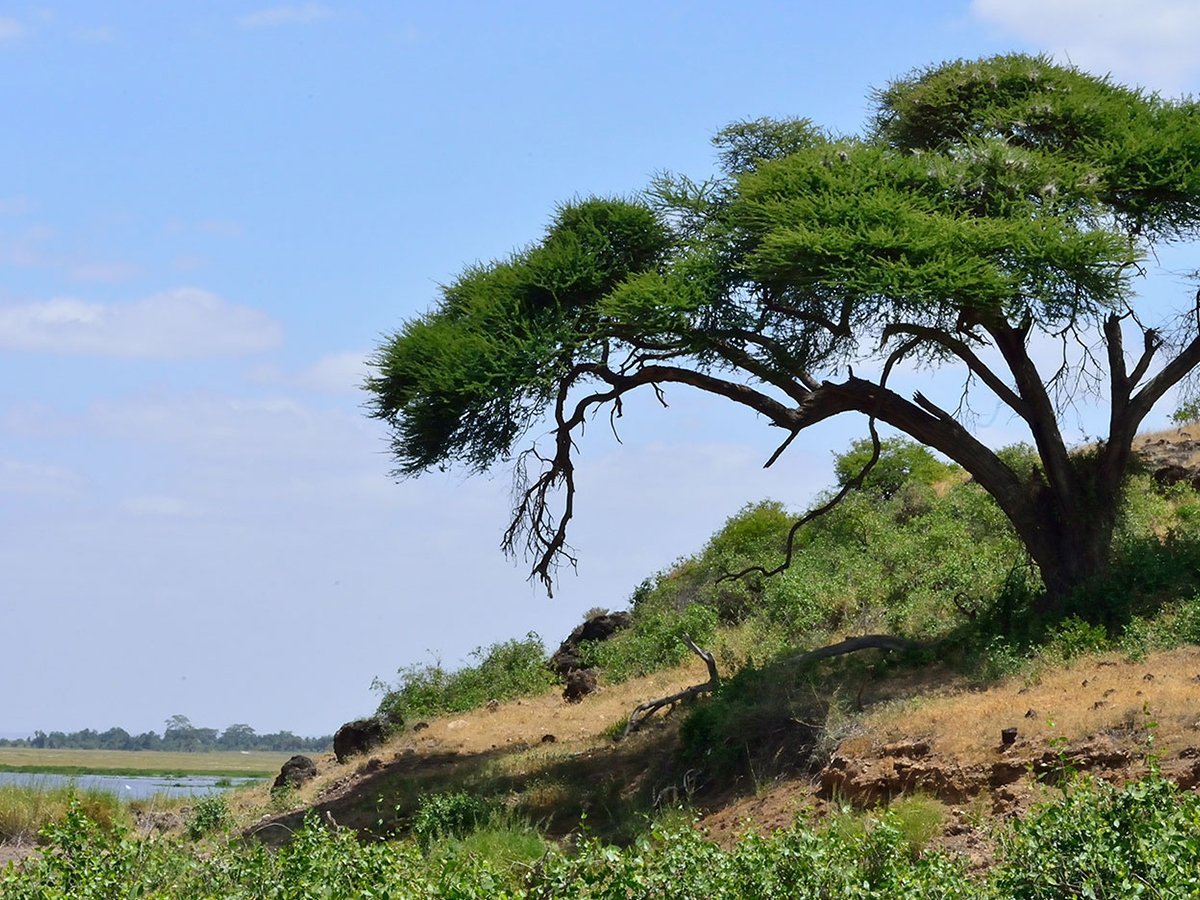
500,753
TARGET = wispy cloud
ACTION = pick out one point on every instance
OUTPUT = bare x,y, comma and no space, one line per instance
1148,42
181,324
104,272
10,29
334,373
275,16
22,477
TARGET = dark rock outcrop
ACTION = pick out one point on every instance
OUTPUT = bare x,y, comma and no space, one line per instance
580,683
295,772
357,737
598,628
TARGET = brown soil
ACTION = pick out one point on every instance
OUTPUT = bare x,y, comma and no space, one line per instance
14,853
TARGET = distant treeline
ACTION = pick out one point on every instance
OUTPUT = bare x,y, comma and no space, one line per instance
179,734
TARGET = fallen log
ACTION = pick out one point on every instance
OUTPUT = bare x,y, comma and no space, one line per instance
854,644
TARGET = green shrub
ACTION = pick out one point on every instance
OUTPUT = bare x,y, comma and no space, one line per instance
1073,637
901,462
503,671
208,815
653,642
1142,840
451,814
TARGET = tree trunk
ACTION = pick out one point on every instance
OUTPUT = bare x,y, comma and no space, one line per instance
1070,538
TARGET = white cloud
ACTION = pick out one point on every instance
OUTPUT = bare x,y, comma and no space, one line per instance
10,29
185,323
1151,43
335,373
21,477
299,14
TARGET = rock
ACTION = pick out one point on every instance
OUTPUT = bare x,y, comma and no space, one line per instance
493,705
1008,737
580,683
911,749
598,628
295,772
357,737
548,739
1172,474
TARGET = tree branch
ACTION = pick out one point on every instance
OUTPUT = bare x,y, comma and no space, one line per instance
854,644
647,709
794,531
960,349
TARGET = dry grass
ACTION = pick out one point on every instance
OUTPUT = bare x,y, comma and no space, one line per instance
24,810
500,747
135,762
1086,697
1171,446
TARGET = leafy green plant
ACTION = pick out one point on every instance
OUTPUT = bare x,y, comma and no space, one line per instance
208,815
502,671
653,642
1142,840
450,814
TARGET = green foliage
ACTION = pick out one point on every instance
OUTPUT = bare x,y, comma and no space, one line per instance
464,382
208,815
503,671
989,200
452,814
1188,412
653,642
1073,637
901,463
1142,840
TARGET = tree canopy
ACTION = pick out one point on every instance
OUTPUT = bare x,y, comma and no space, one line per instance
986,203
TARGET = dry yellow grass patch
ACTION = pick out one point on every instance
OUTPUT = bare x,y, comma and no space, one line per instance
1084,698
527,720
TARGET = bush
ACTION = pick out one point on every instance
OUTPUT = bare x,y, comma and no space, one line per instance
453,814
901,462
653,642
209,814
1142,840
503,671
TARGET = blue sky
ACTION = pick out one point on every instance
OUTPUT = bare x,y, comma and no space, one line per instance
211,212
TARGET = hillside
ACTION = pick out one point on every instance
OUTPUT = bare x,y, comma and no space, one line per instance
877,729
974,754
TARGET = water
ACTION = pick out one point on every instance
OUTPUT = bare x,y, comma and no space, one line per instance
129,787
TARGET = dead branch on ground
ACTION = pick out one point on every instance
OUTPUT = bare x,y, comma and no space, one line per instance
647,709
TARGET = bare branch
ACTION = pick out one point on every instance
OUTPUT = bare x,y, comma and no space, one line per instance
794,531
650,707
960,349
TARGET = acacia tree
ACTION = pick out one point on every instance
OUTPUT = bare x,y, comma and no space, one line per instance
987,204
